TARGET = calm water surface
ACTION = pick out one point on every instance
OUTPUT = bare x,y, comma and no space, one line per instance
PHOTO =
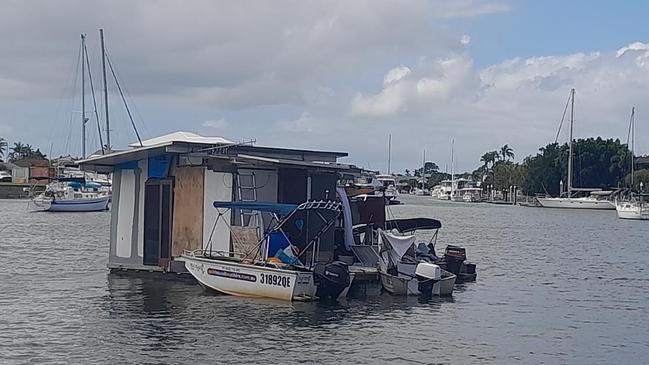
554,286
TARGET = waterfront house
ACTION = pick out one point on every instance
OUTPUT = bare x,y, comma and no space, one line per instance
31,170
164,189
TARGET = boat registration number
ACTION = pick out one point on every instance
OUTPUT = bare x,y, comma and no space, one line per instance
275,280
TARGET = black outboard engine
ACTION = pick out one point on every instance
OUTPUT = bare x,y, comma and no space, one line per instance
454,257
331,279
427,275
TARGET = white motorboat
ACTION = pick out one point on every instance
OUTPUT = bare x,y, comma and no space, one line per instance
443,191
635,208
228,276
280,274
472,195
387,186
402,274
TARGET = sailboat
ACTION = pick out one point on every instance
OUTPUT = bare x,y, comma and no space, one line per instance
421,188
597,198
633,206
76,194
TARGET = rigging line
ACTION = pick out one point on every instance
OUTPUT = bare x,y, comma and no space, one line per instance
94,101
137,112
137,134
563,117
66,83
74,86
628,135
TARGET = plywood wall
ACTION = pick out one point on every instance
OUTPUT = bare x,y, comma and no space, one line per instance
187,231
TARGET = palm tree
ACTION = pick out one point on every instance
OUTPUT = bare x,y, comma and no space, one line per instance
3,147
506,152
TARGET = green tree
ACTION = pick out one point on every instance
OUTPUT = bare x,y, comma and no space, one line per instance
506,153
640,176
20,151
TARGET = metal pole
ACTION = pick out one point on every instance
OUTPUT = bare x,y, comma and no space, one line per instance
572,118
83,96
103,70
632,144
389,152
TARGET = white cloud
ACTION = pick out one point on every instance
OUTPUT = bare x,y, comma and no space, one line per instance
215,123
465,40
395,75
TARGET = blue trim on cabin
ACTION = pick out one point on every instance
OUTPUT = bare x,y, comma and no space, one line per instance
129,165
159,166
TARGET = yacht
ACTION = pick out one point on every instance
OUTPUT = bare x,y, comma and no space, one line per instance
636,207
633,206
443,191
388,186
465,190
596,198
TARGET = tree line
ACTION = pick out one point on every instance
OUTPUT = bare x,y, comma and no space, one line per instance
597,163
18,151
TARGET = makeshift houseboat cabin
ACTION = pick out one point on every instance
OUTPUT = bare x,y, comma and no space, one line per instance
164,189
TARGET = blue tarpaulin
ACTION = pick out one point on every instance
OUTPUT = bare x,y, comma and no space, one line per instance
277,208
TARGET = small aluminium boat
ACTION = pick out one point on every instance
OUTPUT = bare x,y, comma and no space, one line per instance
402,273
280,274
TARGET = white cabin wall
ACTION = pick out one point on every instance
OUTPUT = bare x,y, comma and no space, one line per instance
126,209
144,174
217,186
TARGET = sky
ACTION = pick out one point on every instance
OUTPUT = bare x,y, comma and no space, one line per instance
341,76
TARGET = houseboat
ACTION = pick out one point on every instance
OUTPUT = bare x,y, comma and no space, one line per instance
164,189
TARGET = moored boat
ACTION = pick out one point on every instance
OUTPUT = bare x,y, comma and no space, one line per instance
71,195
635,207
280,274
402,273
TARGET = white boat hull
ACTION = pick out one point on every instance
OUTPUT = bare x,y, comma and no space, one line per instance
247,280
404,285
80,205
632,211
73,205
576,203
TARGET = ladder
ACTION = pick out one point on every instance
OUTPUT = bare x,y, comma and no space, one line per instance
247,192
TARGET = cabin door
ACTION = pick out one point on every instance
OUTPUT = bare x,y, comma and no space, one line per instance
158,208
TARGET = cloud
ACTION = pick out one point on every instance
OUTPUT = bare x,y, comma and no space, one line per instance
215,123
517,101
465,40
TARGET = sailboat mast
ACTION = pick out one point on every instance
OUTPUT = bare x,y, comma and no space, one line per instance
452,164
572,119
83,96
389,152
423,170
632,144
103,70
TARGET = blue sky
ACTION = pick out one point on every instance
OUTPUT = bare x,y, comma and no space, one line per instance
338,76
554,27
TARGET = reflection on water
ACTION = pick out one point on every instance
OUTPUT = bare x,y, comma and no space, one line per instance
553,286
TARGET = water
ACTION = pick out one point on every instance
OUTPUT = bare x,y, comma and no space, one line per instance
554,286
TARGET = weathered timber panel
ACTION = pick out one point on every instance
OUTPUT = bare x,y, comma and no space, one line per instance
187,233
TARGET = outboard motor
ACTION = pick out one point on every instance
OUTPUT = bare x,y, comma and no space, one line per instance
427,275
454,257
331,279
